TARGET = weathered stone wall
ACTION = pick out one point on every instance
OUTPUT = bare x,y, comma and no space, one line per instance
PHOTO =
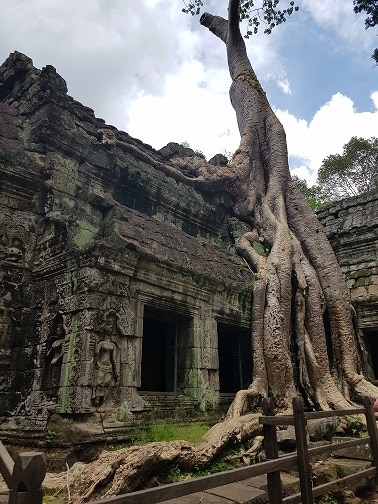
93,238
352,228
92,234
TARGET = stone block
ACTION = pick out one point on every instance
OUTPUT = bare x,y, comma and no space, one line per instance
361,452
239,493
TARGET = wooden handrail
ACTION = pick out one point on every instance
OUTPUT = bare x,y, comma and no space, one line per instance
6,465
24,477
275,464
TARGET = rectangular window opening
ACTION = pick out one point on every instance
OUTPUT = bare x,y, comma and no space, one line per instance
235,358
164,351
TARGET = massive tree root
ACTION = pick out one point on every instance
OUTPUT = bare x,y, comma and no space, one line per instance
300,304
130,468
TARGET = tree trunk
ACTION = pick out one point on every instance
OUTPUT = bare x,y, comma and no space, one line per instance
298,284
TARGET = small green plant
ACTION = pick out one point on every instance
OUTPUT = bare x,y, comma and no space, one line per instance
256,408
216,466
50,436
170,473
117,446
355,426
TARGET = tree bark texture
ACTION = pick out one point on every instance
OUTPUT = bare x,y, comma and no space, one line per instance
300,302
298,283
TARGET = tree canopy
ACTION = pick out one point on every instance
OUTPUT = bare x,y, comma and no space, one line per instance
271,13
353,172
371,9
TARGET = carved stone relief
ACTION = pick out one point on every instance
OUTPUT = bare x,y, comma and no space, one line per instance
106,360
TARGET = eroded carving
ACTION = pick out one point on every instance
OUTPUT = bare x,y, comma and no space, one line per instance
106,360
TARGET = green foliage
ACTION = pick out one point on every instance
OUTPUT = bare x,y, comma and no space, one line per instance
371,9
266,12
327,499
170,431
50,436
313,194
216,466
193,7
256,12
353,172
355,426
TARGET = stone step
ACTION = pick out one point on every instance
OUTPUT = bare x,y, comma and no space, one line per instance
254,490
168,402
249,491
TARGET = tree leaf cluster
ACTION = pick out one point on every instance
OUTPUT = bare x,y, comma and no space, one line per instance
266,12
340,176
353,172
371,9
192,7
256,12
312,194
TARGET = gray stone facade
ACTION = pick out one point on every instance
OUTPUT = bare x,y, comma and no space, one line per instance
117,280
119,284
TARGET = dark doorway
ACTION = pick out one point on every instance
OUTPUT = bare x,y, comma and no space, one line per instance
371,339
163,350
235,358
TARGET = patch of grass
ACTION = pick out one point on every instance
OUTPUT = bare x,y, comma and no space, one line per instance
56,498
169,431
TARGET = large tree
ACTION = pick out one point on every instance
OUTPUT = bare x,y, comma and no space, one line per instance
299,294
353,172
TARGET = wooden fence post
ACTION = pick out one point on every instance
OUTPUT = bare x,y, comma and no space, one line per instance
6,465
371,423
271,452
29,471
304,468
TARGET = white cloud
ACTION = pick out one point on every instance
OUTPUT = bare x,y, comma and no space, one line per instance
107,51
330,128
340,18
194,108
284,85
374,97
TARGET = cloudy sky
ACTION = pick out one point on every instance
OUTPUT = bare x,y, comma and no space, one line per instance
152,71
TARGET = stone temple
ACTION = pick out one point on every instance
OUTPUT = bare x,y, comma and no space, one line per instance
122,296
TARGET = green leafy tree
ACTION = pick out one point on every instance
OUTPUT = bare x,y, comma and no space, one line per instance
299,277
353,172
371,9
312,194
271,13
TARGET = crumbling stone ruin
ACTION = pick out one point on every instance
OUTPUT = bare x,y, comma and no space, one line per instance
117,296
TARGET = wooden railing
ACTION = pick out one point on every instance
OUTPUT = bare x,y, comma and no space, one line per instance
25,476
304,453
